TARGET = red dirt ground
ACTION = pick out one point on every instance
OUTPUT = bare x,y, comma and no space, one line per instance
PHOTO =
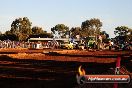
23,68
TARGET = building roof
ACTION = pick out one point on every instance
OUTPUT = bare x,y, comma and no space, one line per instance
48,39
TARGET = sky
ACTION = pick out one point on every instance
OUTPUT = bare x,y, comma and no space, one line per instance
48,13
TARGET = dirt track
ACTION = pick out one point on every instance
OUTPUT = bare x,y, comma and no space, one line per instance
56,68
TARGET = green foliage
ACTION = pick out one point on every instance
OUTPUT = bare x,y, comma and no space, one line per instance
124,32
21,30
75,31
121,31
91,27
21,27
60,29
0,33
8,36
96,24
130,35
22,37
105,36
37,30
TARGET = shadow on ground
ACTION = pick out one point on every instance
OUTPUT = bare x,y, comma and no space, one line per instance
23,73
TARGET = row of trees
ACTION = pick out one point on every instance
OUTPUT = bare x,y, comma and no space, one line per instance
123,34
92,27
21,30
88,28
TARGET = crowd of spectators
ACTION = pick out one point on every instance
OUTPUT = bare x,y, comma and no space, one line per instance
55,45
13,44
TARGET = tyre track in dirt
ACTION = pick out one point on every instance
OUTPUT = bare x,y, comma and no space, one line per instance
48,73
